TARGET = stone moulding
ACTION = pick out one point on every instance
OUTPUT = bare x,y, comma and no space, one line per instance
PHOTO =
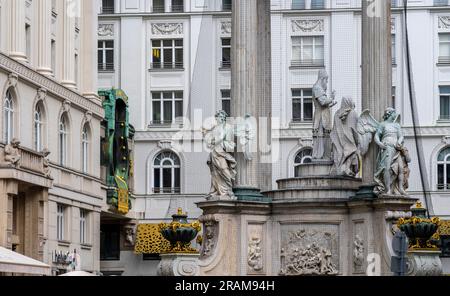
444,23
22,71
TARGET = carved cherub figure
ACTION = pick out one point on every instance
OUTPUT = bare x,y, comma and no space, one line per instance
12,153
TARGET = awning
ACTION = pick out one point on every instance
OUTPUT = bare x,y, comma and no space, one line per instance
149,240
12,262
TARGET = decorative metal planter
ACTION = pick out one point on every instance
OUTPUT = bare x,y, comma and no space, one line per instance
419,229
180,233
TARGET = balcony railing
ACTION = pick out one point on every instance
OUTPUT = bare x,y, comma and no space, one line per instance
108,10
106,67
307,63
31,160
177,8
444,60
443,186
165,190
225,64
167,65
158,9
227,7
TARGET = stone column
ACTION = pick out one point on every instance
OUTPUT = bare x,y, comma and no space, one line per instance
68,74
251,91
88,62
44,23
376,69
17,33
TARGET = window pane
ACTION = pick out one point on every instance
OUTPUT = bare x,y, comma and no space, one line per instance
297,93
308,109
167,111
298,4
226,106
157,180
109,44
177,178
156,111
444,50
167,178
440,176
167,95
179,57
178,95
179,42
109,56
296,110
178,109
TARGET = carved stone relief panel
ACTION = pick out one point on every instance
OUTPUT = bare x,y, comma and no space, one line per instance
255,250
358,247
309,249
210,235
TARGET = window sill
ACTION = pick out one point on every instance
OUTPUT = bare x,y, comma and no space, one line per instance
166,70
63,243
106,71
86,247
300,123
307,67
441,64
225,69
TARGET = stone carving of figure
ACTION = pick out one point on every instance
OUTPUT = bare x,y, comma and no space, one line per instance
358,252
221,163
12,153
322,118
255,254
345,139
47,172
129,235
392,172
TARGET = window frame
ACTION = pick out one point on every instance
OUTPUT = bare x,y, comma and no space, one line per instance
301,61
225,64
104,66
226,99
162,100
308,156
175,164
444,59
63,140
444,94
445,163
85,147
84,227
174,64
61,222
301,100
8,117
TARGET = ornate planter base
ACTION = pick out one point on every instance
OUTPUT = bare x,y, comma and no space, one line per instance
178,265
424,263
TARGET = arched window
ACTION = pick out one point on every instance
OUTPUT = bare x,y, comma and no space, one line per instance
444,169
166,173
8,118
85,149
302,157
63,138
38,128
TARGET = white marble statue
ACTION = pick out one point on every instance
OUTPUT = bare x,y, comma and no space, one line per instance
221,162
345,140
322,118
392,172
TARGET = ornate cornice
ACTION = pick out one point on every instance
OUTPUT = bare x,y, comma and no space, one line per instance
41,81
167,29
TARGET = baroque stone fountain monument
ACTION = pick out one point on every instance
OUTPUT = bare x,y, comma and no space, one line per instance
340,215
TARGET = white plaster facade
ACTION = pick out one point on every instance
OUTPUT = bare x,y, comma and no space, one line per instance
204,23
47,59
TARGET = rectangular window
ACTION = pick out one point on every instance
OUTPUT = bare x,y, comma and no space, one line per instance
317,4
110,242
83,226
226,53
444,48
53,53
444,103
158,6
298,4
302,105
227,5
106,55
60,222
108,6
226,101
167,107
307,51
394,50
177,5
167,54
28,41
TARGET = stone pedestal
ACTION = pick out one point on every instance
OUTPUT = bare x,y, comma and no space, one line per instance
308,219
424,263
178,265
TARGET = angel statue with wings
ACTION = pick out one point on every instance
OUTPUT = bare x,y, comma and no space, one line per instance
392,172
221,162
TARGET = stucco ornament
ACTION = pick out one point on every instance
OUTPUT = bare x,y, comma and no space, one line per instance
255,259
129,235
47,170
322,118
12,153
221,162
392,172
345,139
210,235
358,252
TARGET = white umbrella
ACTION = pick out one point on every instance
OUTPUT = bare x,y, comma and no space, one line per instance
78,273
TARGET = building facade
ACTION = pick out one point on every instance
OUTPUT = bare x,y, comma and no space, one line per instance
51,192
172,58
